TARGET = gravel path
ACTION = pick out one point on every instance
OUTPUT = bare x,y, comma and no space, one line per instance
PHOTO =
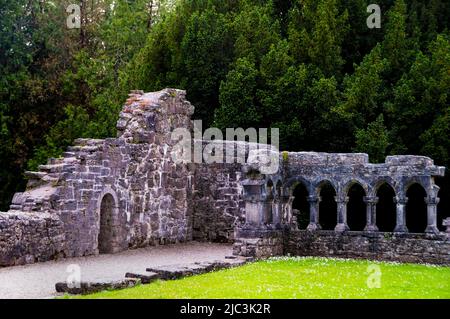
38,280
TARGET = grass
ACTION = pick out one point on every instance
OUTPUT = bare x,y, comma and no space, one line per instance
301,278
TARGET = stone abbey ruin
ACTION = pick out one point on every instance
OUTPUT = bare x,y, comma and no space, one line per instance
105,196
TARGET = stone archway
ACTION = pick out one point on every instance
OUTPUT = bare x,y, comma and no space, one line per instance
327,206
301,206
106,242
386,208
356,208
416,209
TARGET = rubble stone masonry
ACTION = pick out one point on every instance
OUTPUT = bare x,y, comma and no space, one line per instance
105,196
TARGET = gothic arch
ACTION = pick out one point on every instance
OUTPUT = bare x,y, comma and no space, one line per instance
300,204
318,186
386,212
427,185
292,182
356,207
327,193
374,188
349,184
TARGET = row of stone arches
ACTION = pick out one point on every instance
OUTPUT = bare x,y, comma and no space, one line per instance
380,209
416,209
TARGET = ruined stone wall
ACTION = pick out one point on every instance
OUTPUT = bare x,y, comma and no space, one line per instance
129,192
151,194
29,237
151,199
145,197
217,202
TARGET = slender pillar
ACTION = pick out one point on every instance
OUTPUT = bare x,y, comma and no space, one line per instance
432,203
371,213
342,214
276,211
314,202
268,212
401,215
287,209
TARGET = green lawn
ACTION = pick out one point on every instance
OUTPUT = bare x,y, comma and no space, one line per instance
302,278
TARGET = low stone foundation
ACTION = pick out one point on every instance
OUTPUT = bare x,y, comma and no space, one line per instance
259,243
403,247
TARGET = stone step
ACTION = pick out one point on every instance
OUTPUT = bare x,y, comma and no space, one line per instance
55,161
93,287
49,168
37,179
88,142
35,175
83,149
63,160
171,272
56,168
68,154
145,277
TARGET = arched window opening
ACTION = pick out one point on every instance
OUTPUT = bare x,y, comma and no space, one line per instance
300,206
356,208
386,208
416,209
327,207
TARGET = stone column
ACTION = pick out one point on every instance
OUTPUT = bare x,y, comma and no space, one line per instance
342,214
268,211
314,202
432,203
401,215
287,209
371,213
276,211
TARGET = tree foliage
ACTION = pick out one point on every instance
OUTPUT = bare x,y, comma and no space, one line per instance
310,68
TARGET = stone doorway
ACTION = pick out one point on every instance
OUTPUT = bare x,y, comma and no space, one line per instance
106,231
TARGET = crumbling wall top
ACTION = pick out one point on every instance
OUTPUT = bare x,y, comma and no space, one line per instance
144,113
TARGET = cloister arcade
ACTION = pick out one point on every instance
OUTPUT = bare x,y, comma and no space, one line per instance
398,196
360,210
